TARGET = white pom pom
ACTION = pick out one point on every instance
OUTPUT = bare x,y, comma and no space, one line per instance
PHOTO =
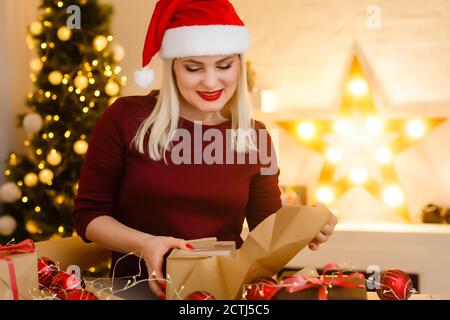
32,122
10,192
7,225
144,77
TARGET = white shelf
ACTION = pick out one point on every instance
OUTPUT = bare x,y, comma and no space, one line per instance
393,227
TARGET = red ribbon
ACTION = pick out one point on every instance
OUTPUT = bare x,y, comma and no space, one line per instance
325,281
26,246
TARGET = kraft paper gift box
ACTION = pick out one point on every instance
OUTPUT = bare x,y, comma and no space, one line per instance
267,249
18,271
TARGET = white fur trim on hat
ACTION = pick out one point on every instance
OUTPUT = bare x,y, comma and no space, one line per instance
144,77
207,40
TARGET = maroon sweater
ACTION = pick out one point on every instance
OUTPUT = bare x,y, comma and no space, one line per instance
183,201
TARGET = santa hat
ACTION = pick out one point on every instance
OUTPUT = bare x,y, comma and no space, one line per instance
184,28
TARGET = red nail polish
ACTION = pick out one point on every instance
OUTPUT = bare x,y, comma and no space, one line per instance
162,285
189,246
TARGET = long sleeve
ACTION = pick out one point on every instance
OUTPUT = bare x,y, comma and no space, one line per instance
102,170
264,194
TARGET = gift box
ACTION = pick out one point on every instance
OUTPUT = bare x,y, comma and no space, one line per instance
267,249
333,284
18,271
182,262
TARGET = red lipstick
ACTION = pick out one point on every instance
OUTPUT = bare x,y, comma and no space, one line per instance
210,96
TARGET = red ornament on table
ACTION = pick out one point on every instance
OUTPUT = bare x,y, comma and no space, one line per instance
261,289
200,295
47,269
80,294
395,285
64,283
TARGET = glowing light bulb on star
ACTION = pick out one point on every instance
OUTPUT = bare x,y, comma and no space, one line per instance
383,155
393,196
325,194
306,130
334,155
416,128
358,87
81,82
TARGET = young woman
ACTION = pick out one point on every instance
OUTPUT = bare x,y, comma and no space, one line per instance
151,178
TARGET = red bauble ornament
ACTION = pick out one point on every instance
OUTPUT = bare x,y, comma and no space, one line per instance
80,294
200,295
395,285
47,269
261,289
64,283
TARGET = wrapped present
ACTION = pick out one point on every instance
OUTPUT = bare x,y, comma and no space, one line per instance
182,262
267,249
18,271
333,284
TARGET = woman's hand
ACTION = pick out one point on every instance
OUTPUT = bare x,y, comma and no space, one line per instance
153,251
325,232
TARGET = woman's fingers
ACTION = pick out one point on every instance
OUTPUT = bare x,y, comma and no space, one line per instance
320,238
313,246
327,230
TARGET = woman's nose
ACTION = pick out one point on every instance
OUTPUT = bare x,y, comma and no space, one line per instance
210,80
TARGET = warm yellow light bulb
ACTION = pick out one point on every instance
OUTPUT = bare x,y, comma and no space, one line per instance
393,197
416,128
334,155
306,130
325,195
358,87
383,155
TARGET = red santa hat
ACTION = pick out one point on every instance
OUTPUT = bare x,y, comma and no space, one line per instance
184,28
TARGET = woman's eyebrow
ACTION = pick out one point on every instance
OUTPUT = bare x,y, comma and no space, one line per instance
198,62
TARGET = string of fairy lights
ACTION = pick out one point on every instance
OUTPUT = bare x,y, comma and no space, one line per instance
81,82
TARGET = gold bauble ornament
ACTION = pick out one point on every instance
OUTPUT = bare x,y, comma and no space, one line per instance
112,89
64,33
36,28
31,179
54,158
80,147
100,43
60,200
55,77
81,82
36,65
32,227
46,176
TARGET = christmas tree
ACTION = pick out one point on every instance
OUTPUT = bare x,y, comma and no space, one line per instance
76,77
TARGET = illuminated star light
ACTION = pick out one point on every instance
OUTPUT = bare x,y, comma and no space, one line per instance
359,145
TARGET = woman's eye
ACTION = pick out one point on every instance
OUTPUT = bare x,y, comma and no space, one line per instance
225,67
191,69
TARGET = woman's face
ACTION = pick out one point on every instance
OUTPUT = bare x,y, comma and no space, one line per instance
207,83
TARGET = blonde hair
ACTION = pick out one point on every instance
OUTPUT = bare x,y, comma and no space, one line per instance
163,121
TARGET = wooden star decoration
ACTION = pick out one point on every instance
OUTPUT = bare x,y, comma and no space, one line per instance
359,145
